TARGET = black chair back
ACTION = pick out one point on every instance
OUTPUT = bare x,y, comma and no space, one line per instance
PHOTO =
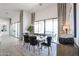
33,40
26,38
49,40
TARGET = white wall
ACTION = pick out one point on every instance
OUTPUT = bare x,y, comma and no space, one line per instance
48,12
70,18
15,17
4,21
77,39
26,20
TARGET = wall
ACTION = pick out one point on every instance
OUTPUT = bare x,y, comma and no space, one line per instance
70,18
45,13
15,17
4,21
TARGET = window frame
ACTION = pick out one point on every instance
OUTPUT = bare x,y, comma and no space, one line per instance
44,20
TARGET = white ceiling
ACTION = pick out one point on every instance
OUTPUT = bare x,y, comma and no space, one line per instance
7,9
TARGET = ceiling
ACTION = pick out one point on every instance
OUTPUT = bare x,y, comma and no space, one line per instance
7,9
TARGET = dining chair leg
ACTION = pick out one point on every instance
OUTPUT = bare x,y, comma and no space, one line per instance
41,47
24,44
48,51
51,48
38,50
29,47
34,49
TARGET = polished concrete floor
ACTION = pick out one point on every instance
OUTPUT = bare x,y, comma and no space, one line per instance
10,46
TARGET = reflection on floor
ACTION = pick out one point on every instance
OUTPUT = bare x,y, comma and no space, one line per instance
10,46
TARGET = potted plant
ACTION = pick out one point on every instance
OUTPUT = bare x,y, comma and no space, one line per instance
30,29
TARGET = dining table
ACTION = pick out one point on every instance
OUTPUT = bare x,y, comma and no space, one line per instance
41,39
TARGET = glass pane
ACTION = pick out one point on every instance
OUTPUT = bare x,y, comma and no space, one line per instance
55,25
12,30
35,27
48,27
16,30
55,39
41,27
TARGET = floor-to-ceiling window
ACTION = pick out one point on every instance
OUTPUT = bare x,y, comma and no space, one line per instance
55,29
18,29
39,27
14,29
48,27
36,28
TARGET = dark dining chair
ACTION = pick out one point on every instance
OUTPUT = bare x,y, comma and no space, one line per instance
27,41
48,44
34,42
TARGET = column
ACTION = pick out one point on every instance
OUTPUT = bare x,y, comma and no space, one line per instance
32,20
21,24
61,17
